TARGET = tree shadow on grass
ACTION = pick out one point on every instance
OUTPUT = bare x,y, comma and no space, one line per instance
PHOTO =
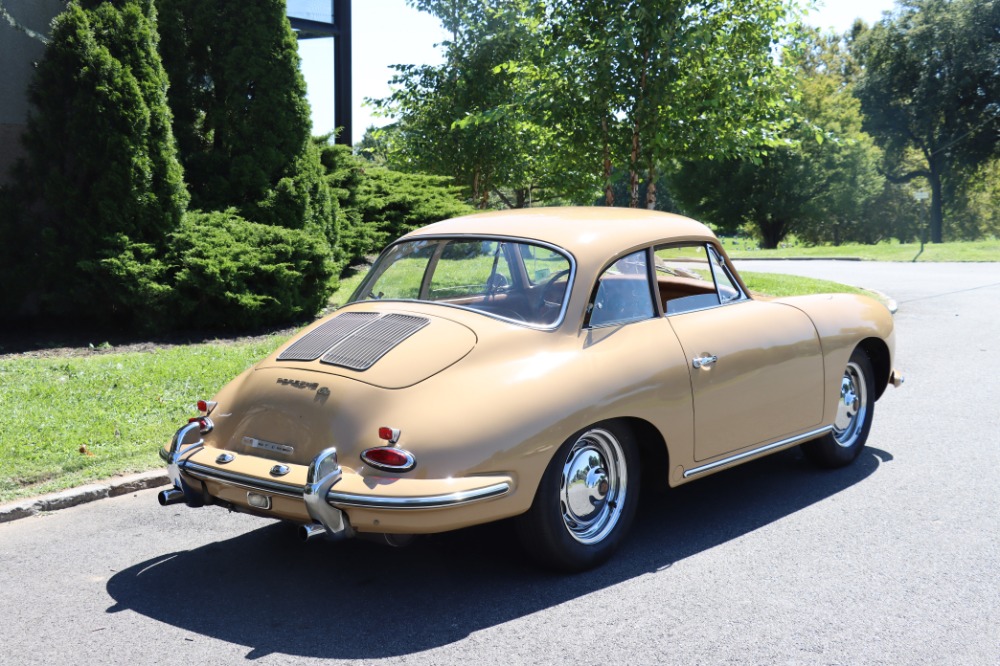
357,599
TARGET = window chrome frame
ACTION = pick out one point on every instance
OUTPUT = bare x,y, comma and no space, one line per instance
653,297
710,249
566,254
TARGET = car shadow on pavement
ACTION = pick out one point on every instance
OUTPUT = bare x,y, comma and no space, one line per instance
357,599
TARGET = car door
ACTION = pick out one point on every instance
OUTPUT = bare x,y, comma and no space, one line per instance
756,367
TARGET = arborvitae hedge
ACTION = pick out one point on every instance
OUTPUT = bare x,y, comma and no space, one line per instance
240,112
90,209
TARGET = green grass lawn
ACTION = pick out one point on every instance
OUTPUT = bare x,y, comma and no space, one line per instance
986,250
67,421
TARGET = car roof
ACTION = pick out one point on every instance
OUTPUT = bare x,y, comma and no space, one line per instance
587,232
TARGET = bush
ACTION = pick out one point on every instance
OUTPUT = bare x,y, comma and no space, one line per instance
241,116
100,188
377,205
236,274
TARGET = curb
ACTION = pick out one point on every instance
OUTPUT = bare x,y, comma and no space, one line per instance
81,495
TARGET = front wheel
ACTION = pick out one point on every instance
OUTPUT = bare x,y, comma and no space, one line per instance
855,409
586,500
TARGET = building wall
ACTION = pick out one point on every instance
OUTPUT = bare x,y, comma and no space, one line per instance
18,53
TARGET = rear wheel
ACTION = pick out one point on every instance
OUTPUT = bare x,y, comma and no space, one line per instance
586,500
855,409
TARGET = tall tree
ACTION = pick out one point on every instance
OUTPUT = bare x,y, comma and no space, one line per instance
101,188
240,111
654,80
456,119
561,91
931,85
819,185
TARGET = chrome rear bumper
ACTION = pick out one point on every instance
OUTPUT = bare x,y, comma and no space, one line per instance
324,503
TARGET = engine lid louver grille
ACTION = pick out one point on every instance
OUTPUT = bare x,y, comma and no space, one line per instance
367,345
317,343
354,340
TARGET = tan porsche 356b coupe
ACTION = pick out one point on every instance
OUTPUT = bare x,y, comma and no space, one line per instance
534,364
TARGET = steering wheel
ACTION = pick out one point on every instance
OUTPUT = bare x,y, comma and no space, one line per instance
496,283
551,284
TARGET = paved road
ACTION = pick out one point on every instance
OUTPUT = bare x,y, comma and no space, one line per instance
892,561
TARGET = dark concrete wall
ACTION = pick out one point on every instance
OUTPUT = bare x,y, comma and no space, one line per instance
21,46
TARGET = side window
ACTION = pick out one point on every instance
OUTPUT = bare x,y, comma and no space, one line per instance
622,294
692,277
729,290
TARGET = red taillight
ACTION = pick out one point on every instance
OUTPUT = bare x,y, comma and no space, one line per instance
205,424
389,458
206,406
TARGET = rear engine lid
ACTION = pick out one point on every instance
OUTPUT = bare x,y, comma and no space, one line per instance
389,350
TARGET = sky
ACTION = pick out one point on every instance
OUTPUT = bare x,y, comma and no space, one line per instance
388,31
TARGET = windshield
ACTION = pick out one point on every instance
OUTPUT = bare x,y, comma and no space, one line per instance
511,279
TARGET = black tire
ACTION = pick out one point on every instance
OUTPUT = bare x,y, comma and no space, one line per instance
855,409
577,526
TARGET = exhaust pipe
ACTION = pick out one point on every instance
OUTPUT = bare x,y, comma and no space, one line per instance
308,532
170,496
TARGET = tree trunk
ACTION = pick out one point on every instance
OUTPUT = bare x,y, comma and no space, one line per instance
634,161
522,197
772,232
609,190
937,205
633,171
651,188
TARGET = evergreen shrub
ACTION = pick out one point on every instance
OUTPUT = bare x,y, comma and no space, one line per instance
376,205
230,273
91,206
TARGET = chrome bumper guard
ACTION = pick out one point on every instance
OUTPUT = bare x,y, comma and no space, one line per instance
324,473
173,455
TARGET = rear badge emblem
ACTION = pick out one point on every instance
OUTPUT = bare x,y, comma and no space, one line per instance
255,443
279,470
225,458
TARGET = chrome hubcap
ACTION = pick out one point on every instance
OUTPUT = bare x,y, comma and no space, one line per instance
592,491
852,406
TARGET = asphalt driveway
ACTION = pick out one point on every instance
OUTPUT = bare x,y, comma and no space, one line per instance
891,561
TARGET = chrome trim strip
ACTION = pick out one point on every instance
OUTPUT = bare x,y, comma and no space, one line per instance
241,480
429,502
346,499
748,454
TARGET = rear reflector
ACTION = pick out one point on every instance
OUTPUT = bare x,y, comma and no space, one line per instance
390,435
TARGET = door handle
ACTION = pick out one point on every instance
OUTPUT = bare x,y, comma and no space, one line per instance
704,361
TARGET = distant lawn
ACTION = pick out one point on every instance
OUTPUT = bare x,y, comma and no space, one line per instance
773,284
68,421
986,250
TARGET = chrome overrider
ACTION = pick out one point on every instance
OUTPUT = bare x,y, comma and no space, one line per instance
173,455
324,472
